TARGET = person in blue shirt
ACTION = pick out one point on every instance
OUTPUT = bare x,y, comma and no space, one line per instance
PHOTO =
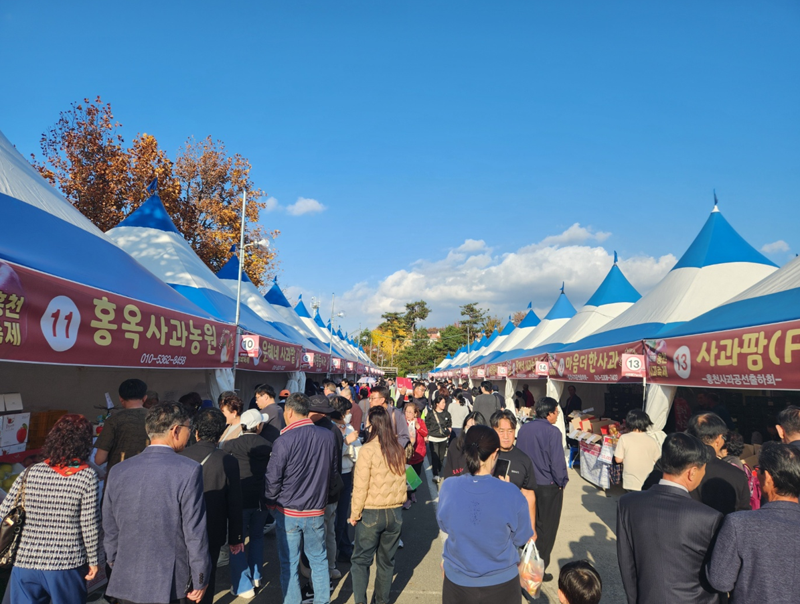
486,520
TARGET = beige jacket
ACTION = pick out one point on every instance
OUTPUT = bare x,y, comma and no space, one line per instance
374,484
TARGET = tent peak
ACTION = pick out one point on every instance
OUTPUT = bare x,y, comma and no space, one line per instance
151,215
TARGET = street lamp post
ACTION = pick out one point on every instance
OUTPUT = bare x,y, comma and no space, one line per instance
263,244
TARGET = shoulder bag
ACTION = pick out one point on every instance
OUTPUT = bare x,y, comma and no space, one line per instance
11,527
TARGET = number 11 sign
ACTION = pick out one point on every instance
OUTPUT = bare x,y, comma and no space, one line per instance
633,365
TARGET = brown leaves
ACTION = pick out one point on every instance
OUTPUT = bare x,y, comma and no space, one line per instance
84,156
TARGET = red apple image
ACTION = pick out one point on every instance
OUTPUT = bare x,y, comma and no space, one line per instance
22,433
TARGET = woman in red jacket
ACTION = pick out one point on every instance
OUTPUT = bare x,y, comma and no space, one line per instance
418,434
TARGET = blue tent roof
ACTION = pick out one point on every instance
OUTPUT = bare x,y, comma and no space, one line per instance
562,309
230,270
719,243
508,328
530,320
151,214
65,250
615,288
275,295
318,320
301,309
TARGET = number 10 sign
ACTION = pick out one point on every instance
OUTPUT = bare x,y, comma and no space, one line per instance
633,365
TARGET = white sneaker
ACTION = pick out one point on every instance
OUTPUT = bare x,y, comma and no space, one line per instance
245,595
335,573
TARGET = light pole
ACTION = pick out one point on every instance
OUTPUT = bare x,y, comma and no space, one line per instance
264,245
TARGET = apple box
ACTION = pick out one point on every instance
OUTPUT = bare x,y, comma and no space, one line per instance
14,430
12,449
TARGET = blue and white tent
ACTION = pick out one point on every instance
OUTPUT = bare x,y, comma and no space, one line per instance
774,299
522,331
50,235
316,327
149,235
561,312
252,298
614,296
718,265
495,345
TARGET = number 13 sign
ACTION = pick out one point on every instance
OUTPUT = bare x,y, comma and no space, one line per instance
633,365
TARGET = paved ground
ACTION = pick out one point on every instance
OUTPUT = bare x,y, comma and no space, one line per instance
587,531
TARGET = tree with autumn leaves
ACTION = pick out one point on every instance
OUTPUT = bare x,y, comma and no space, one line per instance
85,157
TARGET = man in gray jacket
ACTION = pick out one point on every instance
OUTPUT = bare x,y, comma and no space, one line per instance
154,517
755,556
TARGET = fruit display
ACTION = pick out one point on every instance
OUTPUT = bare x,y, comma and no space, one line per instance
8,474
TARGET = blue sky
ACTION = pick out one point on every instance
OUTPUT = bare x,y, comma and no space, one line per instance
444,140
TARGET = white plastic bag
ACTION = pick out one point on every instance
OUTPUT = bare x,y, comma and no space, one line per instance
531,570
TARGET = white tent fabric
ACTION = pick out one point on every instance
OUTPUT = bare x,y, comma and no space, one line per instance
659,402
21,180
512,342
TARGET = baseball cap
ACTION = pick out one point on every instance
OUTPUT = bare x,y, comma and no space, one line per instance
320,404
284,393
251,418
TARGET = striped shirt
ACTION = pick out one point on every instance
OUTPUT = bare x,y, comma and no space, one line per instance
62,519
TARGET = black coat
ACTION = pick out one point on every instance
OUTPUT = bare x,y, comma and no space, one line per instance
222,491
724,486
252,453
664,540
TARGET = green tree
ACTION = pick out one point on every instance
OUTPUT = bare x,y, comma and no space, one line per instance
418,357
415,311
474,318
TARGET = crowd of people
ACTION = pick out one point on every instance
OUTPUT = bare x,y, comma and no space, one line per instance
332,470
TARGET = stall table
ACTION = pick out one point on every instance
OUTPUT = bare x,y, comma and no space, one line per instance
596,461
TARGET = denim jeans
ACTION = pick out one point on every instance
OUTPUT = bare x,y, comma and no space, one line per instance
311,530
246,566
378,533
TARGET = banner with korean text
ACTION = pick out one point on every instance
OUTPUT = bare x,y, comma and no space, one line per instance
599,365
760,357
46,319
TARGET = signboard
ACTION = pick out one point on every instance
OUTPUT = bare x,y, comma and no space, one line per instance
542,368
45,319
502,370
336,364
351,366
249,345
632,365
761,357
272,356
599,365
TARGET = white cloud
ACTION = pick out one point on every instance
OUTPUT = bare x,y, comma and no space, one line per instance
776,246
504,282
304,205
574,235
272,205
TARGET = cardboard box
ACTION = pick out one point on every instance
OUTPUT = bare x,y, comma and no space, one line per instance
582,421
600,424
14,430
12,449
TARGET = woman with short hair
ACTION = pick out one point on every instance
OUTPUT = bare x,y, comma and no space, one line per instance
486,520
636,450
58,548
231,407
379,490
456,460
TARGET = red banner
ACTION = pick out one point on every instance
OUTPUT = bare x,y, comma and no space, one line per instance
273,356
599,365
760,358
45,319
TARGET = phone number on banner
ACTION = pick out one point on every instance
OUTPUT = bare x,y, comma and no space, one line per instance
162,359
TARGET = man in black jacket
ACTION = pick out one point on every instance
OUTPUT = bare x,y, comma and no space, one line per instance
221,489
664,536
724,486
